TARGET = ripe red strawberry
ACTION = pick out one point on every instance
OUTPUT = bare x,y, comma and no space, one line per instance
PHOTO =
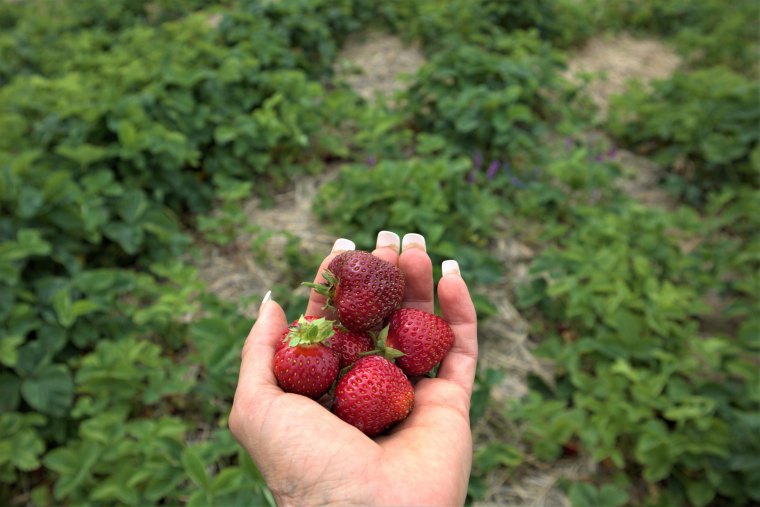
424,339
349,345
373,395
346,343
304,364
363,288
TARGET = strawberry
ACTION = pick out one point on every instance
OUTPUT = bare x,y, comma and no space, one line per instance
346,343
362,288
349,345
293,327
424,339
304,364
373,395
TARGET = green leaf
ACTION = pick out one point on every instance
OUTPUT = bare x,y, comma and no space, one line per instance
498,454
612,496
127,135
583,494
700,493
28,242
194,467
8,349
10,392
29,202
64,308
128,236
68,312
227,481
50,390
132,205
84,154
224,134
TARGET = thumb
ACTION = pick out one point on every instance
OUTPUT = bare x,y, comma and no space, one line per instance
256,382
259,348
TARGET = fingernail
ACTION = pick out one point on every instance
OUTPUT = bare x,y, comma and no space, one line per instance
387,239
413,239
267,298
450,267
343,244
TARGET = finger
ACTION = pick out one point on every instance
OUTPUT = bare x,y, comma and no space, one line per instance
386,246
418,271
458,310
316,300
259,348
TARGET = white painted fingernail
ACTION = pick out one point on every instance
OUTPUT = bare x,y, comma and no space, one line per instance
413,239
450,267
267,299
343,244
387,238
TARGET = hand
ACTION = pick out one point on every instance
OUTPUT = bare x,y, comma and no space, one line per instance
308,456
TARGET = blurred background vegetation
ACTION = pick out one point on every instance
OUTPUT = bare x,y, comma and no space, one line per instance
163,163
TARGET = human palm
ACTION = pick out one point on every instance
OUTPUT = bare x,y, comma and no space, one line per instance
308,456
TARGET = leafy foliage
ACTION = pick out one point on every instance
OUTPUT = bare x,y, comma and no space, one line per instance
705,31
123,122
415,195
638,387
701,125
498,99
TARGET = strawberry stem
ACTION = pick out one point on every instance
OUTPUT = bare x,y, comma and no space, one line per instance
382,349
326,289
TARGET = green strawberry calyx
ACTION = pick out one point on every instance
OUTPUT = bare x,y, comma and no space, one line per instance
310,333
381,349
327,288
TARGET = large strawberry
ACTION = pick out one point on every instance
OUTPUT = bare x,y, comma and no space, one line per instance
349,345
303,363
362,288
373,395
424,339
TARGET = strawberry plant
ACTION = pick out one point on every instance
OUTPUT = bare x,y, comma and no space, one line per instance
700,126
499,99
704,31
430,195
638,387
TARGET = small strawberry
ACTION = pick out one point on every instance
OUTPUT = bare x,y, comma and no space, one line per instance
362,288
424,339
373,395
349,345
304,364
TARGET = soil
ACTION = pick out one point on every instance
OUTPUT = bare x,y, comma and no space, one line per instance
378,64
614,61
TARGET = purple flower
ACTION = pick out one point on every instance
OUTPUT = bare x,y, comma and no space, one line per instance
493,169
372,161
612,153
471,177
517,183
477,160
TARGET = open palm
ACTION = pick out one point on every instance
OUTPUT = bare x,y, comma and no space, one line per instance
308,456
